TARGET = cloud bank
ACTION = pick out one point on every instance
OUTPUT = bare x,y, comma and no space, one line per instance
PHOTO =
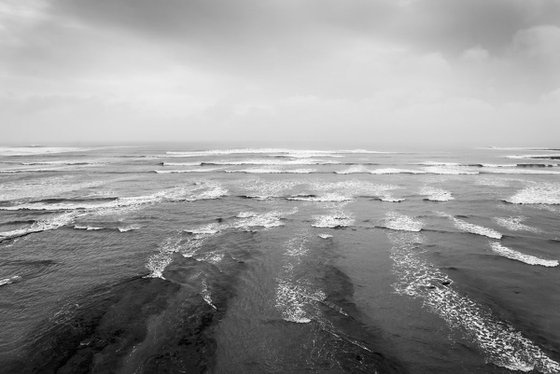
381,72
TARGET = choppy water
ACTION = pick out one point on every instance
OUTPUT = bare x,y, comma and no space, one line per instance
188,259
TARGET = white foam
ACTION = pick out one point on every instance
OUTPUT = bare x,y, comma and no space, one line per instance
87,228
544,193
159,261
181,163
206,295
438,163
333,221
356,169
325,236
390,199
521,171
514,224
265,220
211,228
436,194
246,214
128,228
9,280
499,341
518,256
400,222
472,228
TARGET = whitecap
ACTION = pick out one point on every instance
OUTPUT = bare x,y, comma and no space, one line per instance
9,280
522,257
401,222
474,229
333,221
325,236
436,194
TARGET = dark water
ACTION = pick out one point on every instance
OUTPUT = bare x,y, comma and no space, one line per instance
184,260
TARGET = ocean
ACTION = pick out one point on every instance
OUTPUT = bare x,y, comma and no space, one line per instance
188,259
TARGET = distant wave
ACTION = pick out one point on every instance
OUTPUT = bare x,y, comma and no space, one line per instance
194,193
500,342
401,222
436,194
333,221
448,171
291,152
180,171
62,162
10,280
520,171
472,228
550,156
31,151
273,171
51,223
180,163
272,162
544,193
328,197
438,163
522,257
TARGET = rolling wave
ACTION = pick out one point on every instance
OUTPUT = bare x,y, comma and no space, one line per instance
401,222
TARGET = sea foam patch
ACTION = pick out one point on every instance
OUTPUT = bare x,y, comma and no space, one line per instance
541,193
401,222
500,342
333,220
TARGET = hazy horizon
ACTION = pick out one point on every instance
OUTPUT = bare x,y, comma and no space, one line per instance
364,73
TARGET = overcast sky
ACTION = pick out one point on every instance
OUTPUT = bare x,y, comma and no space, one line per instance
478,72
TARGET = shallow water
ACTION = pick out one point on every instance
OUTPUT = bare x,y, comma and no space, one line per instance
190,259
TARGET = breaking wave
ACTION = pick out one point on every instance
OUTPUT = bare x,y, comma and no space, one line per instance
273,171
522,257
473,229
500,342
51,223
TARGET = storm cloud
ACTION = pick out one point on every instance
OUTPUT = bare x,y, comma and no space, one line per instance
379,72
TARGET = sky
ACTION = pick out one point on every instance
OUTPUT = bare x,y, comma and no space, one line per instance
475,72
